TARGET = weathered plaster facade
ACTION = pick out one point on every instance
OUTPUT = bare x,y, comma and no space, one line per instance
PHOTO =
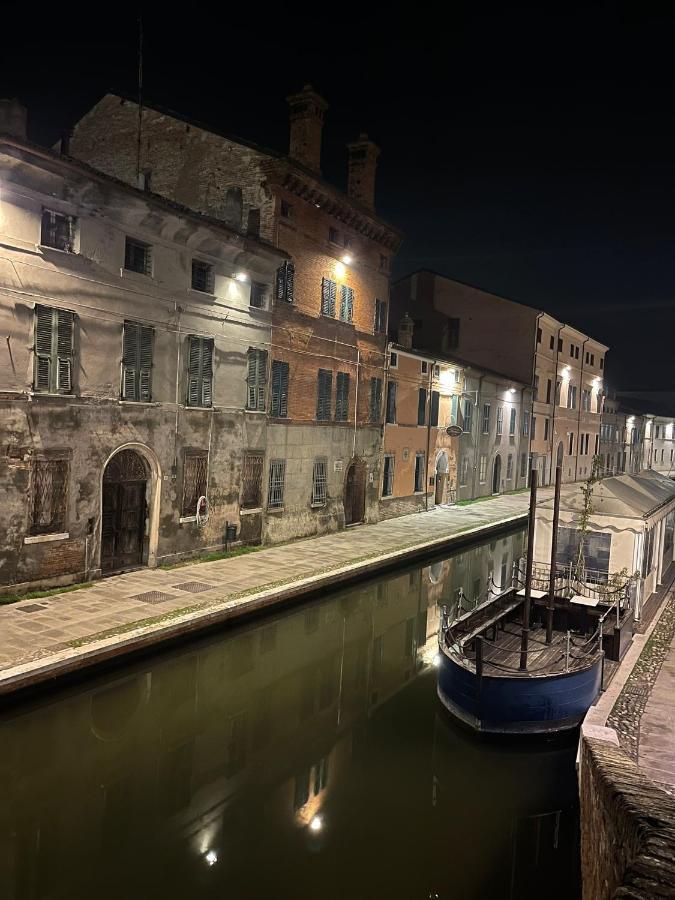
88,424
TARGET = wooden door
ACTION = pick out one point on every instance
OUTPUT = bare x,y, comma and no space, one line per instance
124,512
355,494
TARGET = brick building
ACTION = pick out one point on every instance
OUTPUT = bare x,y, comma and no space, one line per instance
563,367
129,327
321,382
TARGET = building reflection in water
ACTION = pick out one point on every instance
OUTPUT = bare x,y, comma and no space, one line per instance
294,752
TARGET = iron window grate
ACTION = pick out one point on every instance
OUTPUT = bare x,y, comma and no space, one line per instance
57,231
137,257
194,481
49,493
202,277
275,493
319,482
251,495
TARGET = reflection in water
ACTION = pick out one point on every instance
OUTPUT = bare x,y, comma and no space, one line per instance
302,756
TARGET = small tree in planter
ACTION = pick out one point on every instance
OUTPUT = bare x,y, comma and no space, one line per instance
583,525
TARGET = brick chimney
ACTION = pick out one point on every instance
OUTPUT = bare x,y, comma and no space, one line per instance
307,109
362,164
405,332
13,118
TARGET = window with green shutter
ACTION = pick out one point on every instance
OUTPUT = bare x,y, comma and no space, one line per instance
285,282
323,395
380,324
422,406
375,399
257,379
346,303
200,371
435,402
342,397
279,389
391,402
53,350
328,291
137,362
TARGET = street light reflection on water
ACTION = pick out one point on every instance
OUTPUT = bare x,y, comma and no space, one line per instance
305,749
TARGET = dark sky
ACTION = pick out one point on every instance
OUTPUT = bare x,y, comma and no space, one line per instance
527,150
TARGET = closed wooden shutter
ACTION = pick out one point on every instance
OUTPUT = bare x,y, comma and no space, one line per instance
422,407
64,351
53,349
346,303
200,372
279,388
137,362
391,402
257,379
285,282
435,401
375,399
328,290
324,390
43,348
342,397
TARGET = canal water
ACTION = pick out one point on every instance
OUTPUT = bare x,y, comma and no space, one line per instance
301,756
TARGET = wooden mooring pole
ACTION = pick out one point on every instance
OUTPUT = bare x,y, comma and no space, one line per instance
525,635
554,554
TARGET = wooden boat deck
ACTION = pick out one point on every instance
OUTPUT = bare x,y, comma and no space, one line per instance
542,658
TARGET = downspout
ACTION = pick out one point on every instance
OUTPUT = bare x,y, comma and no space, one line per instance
177,311
555,397
479,426
356,400
427,410
581,393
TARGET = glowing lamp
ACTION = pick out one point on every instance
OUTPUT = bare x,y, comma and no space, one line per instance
241,276
346,259
316,824
211,858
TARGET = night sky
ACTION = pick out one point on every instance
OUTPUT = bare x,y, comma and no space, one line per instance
528,151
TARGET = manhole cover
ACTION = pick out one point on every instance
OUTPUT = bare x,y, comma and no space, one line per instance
152,597
30,607
194,587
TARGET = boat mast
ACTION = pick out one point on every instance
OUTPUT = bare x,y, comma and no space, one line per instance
528,570
554,555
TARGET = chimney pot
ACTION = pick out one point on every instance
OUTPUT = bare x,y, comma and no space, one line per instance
307,109
363,155
13,117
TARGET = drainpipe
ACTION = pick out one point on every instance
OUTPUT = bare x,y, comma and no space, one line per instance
428,415
356,401
555,397
581,391
479,425
177,311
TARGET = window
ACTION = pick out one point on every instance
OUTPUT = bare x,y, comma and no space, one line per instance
137,362
424,367
279,405
286,209
200,371
486,418
328,292
592,359
500,420
319,481
464,469
526,422
545,429
258,298
202,277
380,325
602,362
346,303
285,282
421,406
570,443
539,335
275,487
453,333
523,465
483,468
560,345
347,242
435,403
585,400
391,402
137,257
576,353
467,415
571,396
558,393
512,423
551,343
194,481
587,357
388,476
549,385
251,493
393,360
509,468
257,379
342,397
48,496
375,399
454,406
58,231
324,390
596,550
53,371
333,235
420,479
572,350
534,427
535,388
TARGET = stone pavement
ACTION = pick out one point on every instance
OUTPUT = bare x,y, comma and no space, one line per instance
40,639
656,748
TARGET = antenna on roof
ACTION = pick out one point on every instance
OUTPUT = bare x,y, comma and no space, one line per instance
140,97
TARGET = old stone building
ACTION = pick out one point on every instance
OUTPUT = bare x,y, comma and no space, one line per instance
622,438
564,367
130,327
325,371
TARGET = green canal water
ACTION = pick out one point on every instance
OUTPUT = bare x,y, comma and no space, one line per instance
301,756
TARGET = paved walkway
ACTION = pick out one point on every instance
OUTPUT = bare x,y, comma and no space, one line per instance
656,752
63,632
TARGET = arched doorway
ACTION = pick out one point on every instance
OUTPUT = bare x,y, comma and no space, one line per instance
497,474
441,477
124,511
355,493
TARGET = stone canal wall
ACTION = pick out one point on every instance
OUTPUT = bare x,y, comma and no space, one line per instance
627,827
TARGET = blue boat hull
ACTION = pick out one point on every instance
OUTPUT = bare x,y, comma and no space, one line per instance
518,705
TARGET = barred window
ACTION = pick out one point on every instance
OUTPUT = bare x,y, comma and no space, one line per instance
375,399
275,490
202,277
58,231
323,395
342,397
53,350
49,494
388,476
464,469
195,466
257,379
486,418
279,388
346,303
285,282
526,422
319,482
509,467
380,325
137,256
200,372
512,423
328,292
137,362
251,493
